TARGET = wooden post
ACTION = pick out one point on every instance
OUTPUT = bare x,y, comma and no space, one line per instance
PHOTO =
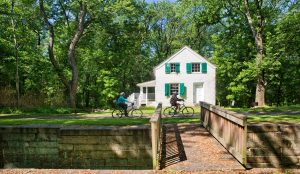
146,96
155,136
154,144
245,139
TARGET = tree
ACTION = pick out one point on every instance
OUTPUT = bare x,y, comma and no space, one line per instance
257,28
16,53
82,23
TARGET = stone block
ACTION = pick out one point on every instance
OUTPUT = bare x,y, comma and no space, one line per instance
48,131
270,139
83,140
15,144
65,155
291,147
86,147
145,146
65,147
18,137
97,164
290,160
88,132
72,140
91,147
262,165
291,130
25,130
64,163
263,152
9,130
116,162
12,150
102,154
12,158
263,127
47,137
135,162
140,162
40,151
273,160
42,144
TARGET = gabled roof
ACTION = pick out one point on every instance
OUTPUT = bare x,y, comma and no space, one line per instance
182,49
147,84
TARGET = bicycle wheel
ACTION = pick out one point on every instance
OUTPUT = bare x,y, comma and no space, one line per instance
188,112
136,113
117,113
169,112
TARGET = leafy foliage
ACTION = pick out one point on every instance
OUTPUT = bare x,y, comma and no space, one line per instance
124,40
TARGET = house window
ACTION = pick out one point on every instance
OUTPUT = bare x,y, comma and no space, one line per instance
173,67
195,67
174,88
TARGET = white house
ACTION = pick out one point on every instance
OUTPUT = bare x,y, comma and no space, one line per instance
187,73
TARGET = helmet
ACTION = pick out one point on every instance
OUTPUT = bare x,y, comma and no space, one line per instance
122,93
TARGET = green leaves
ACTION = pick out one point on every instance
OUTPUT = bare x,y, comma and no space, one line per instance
126,39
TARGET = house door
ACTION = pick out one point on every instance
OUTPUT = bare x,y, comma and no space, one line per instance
198,92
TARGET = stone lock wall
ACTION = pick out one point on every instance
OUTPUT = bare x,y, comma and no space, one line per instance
93,147
273,145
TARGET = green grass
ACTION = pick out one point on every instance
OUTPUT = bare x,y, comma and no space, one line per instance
268,109
274,118
181,120
66,116
271,114
61,117
98,122
40,110
67,111
102,122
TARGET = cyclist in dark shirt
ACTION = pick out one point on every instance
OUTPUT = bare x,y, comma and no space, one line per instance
173,101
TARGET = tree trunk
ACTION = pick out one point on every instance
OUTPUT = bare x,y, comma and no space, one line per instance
16,53
71,55
257,30
260,86
87,91
51,46
72,84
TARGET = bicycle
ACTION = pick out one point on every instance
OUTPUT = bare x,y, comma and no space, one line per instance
186,111
131,110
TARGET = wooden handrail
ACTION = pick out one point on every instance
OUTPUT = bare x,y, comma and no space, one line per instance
228,127
156,135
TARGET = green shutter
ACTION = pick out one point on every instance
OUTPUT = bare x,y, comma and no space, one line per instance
167,68
167,89
181,88
204,68
189,68
177,67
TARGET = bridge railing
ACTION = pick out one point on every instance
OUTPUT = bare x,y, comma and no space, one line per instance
156,131
228,127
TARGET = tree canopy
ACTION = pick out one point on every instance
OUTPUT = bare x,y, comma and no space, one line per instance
83,53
